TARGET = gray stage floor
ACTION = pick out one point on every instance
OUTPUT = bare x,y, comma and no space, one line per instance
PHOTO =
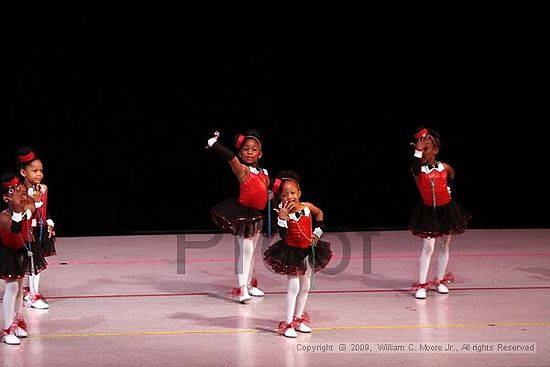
165,301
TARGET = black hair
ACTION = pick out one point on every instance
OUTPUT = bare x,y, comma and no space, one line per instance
254,133
289,175
436,137
239,139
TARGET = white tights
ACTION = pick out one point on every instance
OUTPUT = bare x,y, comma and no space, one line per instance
13,300
296,295
245,261
34,282
428,245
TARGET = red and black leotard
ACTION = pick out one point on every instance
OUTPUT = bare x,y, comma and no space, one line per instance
437,214
16,244
245,215
432,184
253,191
288,255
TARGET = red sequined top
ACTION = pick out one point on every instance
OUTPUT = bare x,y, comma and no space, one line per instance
432,183
299,232
253,191
15,240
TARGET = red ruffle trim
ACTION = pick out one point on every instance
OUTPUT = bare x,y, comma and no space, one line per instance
447,279
254,283
237,291
284,326
18,321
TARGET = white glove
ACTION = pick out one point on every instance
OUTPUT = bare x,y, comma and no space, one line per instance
318,232
211,141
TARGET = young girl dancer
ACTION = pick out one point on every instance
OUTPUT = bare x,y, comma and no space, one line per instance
32,171
437,217
244,217
19,255
298,253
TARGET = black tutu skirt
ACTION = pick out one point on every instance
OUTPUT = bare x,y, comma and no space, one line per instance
290,260
15,263
448,219
231,217
47,243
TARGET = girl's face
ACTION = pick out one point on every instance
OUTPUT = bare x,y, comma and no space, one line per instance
250,152
290,192
429,151
16,196
33,172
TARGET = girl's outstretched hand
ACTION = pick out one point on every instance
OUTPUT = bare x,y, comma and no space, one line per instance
212,140
285,208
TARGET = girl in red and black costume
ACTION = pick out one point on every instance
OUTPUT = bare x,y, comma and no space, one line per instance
32,171
247,216
300,251
19,255
437,217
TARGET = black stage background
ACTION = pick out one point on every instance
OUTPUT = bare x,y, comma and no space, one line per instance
119,104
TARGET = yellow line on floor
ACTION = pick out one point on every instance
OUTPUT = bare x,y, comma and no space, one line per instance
335,328
145,333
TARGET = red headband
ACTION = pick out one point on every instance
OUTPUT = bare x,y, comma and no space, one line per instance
11,183
276,185
242,138
279,181
421,134
30,156
240,141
